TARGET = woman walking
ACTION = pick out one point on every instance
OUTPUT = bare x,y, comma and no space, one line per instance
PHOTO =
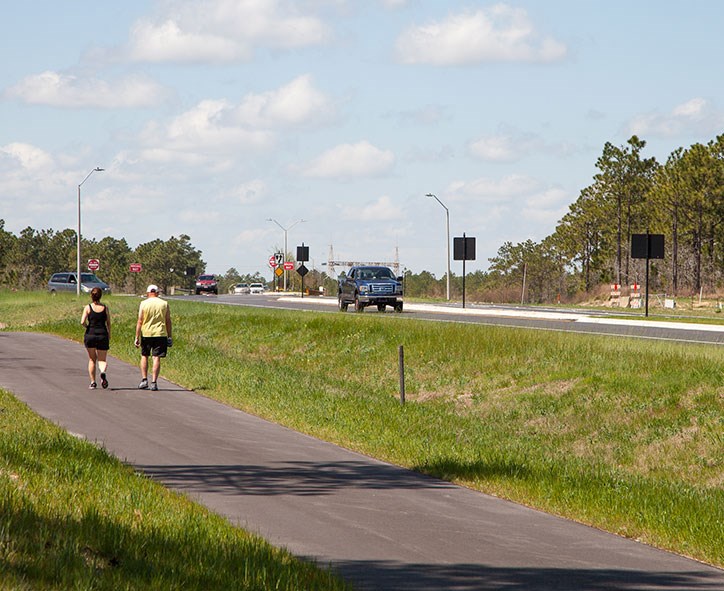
97,321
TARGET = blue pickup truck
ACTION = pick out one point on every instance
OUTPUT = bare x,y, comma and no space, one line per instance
370,286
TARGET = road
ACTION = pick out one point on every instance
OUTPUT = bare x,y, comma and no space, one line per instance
509,316
380,526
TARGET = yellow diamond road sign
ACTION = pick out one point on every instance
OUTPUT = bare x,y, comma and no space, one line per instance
279,271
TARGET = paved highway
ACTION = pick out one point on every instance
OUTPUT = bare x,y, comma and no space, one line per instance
511,316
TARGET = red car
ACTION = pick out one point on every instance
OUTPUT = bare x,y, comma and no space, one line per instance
207,284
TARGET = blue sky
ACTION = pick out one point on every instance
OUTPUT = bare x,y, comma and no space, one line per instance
212,116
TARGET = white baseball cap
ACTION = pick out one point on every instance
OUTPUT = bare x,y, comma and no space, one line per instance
152,288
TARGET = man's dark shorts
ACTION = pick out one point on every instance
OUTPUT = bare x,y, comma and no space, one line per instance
154,346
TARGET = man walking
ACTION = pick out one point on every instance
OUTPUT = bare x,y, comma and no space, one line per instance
153,334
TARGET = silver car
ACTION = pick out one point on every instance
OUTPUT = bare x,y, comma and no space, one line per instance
67,282
256,288
241,288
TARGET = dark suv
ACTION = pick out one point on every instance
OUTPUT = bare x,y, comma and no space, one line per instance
370,286
207,283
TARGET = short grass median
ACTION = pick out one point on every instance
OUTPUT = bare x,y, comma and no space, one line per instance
623,434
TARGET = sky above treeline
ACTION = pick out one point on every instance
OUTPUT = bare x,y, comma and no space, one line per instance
212,117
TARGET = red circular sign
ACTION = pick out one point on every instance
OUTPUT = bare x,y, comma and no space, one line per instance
288,266
94,264
272,261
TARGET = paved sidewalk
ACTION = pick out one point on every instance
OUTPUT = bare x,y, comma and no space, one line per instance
383,527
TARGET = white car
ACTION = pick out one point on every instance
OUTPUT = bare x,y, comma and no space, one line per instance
256,288
241,288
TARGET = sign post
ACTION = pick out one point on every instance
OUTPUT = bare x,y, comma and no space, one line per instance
647,246
135,268
464,250
302,257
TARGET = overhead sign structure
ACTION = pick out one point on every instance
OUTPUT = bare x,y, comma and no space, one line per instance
94,264
647,246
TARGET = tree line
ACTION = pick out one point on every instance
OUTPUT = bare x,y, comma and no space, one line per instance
683,199
29,259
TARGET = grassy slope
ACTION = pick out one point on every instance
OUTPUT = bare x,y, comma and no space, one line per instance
622,434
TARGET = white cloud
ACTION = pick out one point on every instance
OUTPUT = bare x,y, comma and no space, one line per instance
65,90
694,116
20,156
351,161
498,34
25,167
222,31
381,210
499,148
296,103
213,127
167,42
546,207
511,145
487,190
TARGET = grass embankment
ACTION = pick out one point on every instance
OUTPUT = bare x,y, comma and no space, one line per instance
623,434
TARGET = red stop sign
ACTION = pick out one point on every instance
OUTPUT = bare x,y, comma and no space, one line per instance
94,264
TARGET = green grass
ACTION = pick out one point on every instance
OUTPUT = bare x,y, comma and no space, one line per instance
623,434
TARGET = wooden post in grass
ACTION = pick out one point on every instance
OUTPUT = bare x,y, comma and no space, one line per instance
402,374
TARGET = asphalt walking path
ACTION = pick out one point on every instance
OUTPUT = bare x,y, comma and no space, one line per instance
378,525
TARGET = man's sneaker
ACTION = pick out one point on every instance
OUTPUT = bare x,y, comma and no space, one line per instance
92,386
104,381
143,385
154,386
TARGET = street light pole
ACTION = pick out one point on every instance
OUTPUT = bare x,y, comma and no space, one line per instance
77,259
285,242
447,227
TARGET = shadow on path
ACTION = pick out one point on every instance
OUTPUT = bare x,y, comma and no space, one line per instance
476,577
291,478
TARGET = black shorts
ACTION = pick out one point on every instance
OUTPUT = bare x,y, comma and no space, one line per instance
154,346
96,341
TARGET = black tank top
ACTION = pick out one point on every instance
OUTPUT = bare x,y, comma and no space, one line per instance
97,321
